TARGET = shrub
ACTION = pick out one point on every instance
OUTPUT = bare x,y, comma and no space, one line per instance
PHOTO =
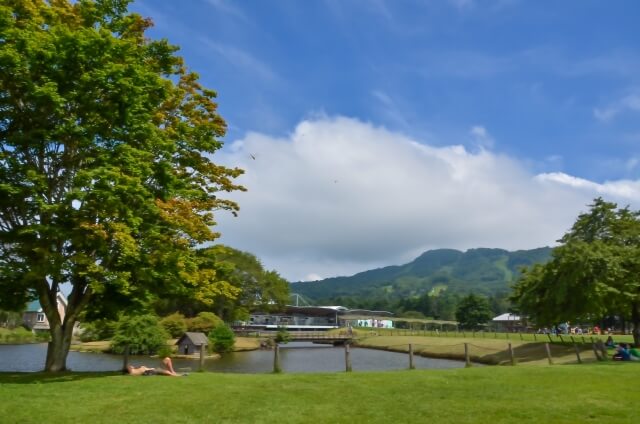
283,335
222,339
175,324
204,322
143,334
165,351
97,330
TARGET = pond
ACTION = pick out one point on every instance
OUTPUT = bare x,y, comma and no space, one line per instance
294,357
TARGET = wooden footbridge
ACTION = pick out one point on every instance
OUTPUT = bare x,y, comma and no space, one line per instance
318,336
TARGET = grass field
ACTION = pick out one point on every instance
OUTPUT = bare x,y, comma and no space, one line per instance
600,392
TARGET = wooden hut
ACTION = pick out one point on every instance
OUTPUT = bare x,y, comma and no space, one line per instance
190,343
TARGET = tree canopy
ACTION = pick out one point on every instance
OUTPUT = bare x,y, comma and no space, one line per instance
593,273
106,176
472,311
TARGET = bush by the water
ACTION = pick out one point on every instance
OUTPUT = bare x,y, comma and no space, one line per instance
222,339
283,335
97,330
21,335
175,324
143,334
204,322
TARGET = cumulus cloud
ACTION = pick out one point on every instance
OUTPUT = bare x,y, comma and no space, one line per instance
481,136
338,196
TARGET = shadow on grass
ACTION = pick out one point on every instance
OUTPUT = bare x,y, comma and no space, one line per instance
48,377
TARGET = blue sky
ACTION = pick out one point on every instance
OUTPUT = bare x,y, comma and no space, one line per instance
522,106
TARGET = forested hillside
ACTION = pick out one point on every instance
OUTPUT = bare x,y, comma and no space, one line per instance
435,274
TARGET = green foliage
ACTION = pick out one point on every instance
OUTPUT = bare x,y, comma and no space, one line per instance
594,272
256,287
283,336
204,322
20,335
412,314
165,351
10,319
472,311
222,339
142,333
106,176
483,271
175,324
102,329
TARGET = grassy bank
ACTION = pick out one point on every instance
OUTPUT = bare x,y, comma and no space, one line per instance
484,350
559,394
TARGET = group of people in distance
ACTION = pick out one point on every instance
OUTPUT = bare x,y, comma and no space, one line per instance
167,369
623,351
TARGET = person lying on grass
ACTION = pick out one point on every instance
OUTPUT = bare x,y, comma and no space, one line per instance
166,370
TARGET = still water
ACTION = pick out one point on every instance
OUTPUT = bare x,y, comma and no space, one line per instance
294,357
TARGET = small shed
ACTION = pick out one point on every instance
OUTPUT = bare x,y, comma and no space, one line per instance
190,343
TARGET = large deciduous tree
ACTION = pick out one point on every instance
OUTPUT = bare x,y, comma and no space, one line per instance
594,272
106,177
473,310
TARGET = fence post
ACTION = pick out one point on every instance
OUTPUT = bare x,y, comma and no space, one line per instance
520,332
347,357
546,347
125,359
202,346
561,339
603,348
575,346
595,351
276,359
411,366
467,361
513,357
535,339
550,339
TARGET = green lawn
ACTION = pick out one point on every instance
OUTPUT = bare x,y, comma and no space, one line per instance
599,392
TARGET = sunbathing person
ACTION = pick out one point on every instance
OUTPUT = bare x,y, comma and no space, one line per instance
142,370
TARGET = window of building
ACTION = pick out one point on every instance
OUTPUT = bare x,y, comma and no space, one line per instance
40,317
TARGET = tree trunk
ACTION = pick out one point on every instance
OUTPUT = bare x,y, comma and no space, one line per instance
58,348
635,318
61,330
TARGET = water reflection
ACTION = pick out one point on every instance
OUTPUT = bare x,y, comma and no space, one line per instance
294,357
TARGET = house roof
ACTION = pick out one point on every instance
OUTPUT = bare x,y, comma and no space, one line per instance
507,317
33,307
196,338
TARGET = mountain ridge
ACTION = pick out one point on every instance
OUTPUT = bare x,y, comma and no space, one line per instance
479,270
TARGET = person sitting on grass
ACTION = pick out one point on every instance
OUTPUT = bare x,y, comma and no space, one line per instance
166,370
610,343
622,354
634,355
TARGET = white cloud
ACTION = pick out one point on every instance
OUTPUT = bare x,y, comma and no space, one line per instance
627,103
338,196
624,190
481,136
